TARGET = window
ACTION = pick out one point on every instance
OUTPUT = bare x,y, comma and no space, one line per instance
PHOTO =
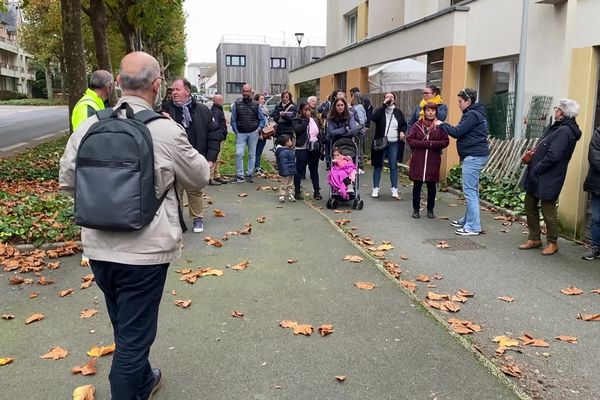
278,63
235,61
278,87
351,25
340,81
234,87
455,2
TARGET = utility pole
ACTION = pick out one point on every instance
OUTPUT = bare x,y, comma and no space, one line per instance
520,92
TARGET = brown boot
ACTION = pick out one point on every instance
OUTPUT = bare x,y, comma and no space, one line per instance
550,249
530,244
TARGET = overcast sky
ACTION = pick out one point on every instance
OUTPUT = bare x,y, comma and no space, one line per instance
209,20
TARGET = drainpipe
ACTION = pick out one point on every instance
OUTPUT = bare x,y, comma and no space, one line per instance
520,92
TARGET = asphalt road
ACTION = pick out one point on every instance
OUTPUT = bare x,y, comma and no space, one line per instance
23,126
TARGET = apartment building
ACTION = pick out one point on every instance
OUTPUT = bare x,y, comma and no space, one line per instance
264,66
15,74
475,43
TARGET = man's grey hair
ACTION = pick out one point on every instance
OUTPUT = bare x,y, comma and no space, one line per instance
570,107
101,79
140,81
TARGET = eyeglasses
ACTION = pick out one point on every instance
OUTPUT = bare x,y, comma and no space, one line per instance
557,108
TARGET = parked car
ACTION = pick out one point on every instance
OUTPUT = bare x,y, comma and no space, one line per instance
272,101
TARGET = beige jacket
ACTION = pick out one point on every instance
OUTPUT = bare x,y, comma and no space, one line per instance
160,241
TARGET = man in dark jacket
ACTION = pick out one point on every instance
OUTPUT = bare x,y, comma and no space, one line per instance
546,174
203,134
592,186
471,136
219,116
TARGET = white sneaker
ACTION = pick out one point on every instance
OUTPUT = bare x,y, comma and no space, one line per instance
395,193
281,199
375,192
361,171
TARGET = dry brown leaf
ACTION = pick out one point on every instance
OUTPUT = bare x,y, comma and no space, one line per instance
34,318
434,304
86,369
340,378
342,222
403,257
218,213
436,296
54,265
422,278
506,341
183,303
451,306
597,291
292,261
326,329
409,285
354,259
463,327
243,194
87,313
6,360
56,353
565,338
571,291
174,292
437,277
529,340
33,295
452,205
442,244
507,299
86,281
288,323
385,247
241,265
511,370
342,211
8,316
464,293
214,242
84,392
237,314
67,292
45,281
365,285
303,329
589,317
261,220
99,351
16,280
458,298
460,329
85,262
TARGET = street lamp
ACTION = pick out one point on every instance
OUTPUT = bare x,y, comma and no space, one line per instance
299,37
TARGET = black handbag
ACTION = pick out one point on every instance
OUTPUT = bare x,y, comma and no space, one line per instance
382,142
313,146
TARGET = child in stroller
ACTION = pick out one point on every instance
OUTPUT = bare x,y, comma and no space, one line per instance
343,177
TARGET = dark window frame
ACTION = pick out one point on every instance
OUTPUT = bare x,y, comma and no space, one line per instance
279,60
241,60
234,87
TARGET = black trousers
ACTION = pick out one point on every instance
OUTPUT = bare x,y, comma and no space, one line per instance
132,294
416,195
304,158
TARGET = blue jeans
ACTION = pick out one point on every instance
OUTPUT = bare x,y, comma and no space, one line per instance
260,146
391,152
471,169
132,294
596,220
241,140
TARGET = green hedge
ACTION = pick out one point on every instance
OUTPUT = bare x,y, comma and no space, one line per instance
10,95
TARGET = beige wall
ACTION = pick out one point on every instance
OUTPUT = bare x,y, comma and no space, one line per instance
326,86
385,15
337,33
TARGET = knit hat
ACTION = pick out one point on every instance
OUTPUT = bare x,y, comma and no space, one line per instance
569,107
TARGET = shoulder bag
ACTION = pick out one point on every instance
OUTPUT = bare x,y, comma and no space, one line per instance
382,142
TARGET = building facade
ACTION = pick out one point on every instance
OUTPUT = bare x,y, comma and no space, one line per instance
199,74
263,66
476,43
15,74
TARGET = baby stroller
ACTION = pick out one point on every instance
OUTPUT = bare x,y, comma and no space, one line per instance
348,146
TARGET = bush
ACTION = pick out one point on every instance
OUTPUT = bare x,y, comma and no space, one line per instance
33,102
500,194
9,95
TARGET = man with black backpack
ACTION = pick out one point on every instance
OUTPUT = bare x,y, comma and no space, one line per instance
203,133
122,165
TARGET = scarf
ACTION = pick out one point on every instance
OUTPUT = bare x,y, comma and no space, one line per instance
437,99
428,124
187,117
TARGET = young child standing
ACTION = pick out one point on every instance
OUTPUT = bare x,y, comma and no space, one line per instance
286,164
342,174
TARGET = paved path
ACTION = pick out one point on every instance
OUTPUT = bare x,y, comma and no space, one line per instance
386,345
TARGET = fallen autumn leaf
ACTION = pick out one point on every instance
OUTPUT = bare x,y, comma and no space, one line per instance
365,285
34,318
84,392
56,353
87,369
99,351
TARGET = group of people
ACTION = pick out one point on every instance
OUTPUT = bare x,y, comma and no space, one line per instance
186,146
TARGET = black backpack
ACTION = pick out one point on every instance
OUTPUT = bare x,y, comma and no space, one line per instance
114,172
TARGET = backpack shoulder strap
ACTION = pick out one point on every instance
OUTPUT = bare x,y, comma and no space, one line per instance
104,114
147,116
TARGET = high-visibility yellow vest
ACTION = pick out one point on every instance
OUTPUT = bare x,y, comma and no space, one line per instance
86,107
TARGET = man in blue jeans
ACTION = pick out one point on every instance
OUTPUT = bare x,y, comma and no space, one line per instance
471,136
592,186
246,122
131,267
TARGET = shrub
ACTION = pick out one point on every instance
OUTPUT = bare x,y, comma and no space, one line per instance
10,95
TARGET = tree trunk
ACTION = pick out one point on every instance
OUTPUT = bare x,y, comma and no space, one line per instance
73,51
98,21
48,75
119,13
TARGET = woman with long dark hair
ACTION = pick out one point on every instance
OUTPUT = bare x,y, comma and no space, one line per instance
306,128
284,113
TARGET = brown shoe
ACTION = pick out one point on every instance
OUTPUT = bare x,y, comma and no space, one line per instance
550,249
530,244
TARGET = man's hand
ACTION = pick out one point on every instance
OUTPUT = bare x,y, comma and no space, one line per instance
438,122
402,136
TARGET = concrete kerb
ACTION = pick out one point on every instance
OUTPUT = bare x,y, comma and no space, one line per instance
46,246
464,341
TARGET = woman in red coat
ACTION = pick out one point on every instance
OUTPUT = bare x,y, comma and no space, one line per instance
426,141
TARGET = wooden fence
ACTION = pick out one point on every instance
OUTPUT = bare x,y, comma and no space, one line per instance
504,164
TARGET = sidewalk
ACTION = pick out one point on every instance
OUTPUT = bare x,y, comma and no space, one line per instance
491,266
387,346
